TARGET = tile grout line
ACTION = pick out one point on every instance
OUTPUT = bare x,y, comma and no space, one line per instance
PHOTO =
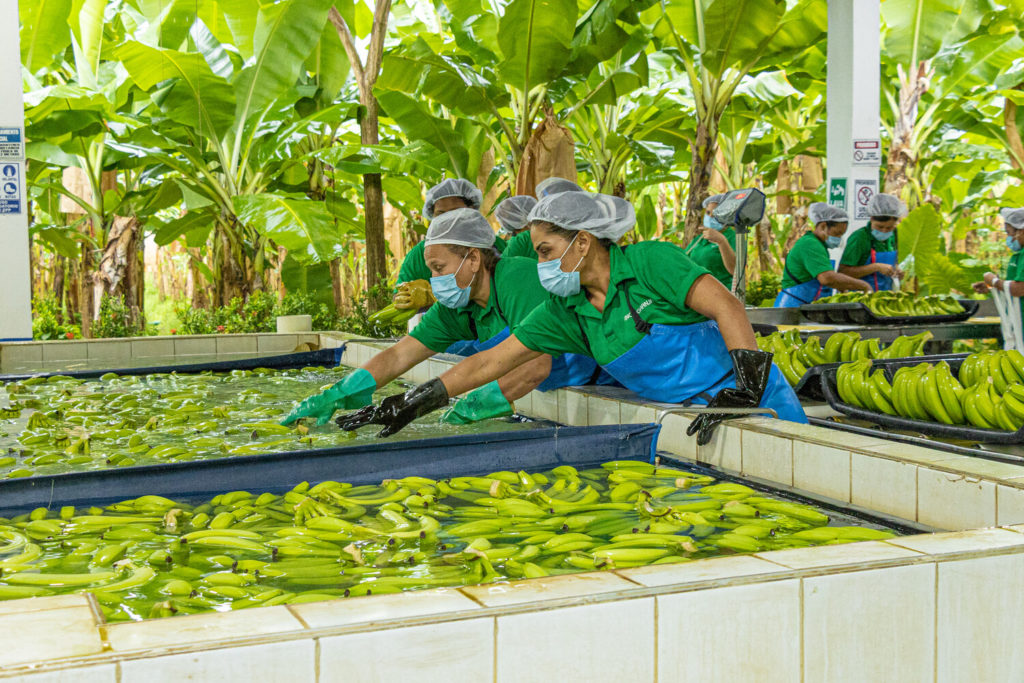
935,630
657,650
803,634
317,645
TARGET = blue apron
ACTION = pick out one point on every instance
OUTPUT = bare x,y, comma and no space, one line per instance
878,281
689,364
803,293
568,370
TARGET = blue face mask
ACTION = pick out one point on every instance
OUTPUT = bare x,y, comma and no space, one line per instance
710,222
880,236
1012,243
557,281
832,241
447,291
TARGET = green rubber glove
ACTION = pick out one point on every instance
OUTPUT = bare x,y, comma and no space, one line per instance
479,404
354,391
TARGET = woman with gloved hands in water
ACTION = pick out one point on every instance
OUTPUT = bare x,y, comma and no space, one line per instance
479,296
658,323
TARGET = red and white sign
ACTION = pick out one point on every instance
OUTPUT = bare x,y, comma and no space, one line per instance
867,152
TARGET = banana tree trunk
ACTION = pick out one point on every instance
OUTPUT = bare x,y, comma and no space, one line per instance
701,166
902,159
1013,140
119,272
366,77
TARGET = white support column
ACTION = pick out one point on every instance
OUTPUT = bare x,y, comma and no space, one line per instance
852,107
15,292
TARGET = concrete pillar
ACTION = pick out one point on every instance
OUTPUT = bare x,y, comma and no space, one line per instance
15,293
854,150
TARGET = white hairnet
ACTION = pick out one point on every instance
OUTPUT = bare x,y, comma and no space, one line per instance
514,212
886,205
602,215
555,185
821,212
1014,217
713,199
465,227
452,187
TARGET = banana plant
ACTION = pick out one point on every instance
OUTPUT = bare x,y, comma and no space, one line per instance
221,124
940,52
718,43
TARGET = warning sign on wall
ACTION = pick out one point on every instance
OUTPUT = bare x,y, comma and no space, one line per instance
867,152
12,147
10,189
863,191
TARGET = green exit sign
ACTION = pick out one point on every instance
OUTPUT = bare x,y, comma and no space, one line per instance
837,192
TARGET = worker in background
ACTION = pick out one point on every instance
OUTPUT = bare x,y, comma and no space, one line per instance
871,252
480,296
715,248
554,185
1013,281
809,273
413,283
513,215
656,321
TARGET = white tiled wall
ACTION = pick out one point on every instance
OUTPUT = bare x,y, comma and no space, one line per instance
871,625
610,642
737,633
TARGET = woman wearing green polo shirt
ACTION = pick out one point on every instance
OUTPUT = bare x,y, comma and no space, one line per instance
871,252
715,248
809,273
479,296
1013,282
654,320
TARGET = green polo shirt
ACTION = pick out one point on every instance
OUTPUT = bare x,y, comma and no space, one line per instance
706,254
414,267
660,276
859,246
806,261
521,245
518,291
1015,268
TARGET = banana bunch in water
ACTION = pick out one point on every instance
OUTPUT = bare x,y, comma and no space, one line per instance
389,315
795,356
989,392
888,304
153,556
62,424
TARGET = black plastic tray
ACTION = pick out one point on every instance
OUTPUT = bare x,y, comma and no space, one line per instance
856,313
935,429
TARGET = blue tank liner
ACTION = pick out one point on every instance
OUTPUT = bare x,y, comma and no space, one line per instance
328,357
438,458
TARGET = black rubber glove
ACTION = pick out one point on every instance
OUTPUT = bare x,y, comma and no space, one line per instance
752,369
396,411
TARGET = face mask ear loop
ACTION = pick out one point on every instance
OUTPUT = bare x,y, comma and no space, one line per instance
456,273
567,251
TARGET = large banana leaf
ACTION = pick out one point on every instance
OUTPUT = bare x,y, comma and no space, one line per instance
599,33
417,122
920,233
88,38
535,38
44,31
198,98
286,34
329,63
738,31
917,29
298,224
417,70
